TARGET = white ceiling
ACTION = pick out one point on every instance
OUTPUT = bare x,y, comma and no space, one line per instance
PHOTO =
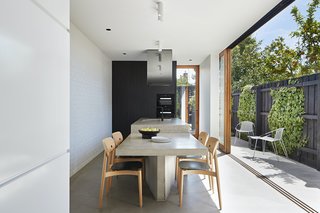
193,29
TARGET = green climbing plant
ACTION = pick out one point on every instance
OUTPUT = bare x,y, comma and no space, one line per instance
286,112
247,104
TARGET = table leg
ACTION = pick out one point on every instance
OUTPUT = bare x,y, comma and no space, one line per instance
160,175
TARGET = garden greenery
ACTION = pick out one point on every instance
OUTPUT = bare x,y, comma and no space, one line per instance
286,112
247,104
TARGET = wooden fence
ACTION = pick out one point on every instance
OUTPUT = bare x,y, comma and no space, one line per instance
310,154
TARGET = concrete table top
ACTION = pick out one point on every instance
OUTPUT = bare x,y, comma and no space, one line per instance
180,144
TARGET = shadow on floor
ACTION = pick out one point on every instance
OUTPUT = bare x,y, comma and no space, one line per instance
290,168
123,196
287,169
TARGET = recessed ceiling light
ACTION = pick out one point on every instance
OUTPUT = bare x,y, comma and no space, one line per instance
190,59
124,53
108,29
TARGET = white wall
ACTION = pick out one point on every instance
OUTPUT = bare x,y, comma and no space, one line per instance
91,100
214,96
204,91
209,95
34,106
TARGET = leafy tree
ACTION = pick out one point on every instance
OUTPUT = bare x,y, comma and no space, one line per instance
308,35
279,62
183,80
246,60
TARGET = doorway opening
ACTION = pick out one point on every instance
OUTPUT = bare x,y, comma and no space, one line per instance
187,96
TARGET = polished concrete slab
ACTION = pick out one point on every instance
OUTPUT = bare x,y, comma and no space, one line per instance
241,192
160,158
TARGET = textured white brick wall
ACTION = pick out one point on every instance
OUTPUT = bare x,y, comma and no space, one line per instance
90,100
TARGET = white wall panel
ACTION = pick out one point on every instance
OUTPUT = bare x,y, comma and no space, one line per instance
34,87
59,9
204,90
91,99
44,190
214,96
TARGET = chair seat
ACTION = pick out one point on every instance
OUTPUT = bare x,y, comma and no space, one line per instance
255,137
190,156
127,166
189,165
247,131
267,138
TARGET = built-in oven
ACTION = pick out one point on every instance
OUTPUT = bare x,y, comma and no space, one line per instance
165,105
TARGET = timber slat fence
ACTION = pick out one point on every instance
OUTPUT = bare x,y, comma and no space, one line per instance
310,154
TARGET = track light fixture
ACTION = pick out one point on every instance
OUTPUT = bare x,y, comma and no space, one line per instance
160,10
159,46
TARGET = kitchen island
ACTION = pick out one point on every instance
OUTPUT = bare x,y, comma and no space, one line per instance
172,125
160,157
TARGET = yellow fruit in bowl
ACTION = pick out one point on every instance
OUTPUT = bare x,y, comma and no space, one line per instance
149,129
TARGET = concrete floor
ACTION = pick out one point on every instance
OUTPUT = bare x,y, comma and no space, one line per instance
298,179
241,192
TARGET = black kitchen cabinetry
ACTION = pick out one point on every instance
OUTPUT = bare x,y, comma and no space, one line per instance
132,98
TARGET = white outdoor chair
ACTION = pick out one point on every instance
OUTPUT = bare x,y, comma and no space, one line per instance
268,137
244,127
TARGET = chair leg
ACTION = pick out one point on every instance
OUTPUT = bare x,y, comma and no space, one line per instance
210,182
101,191
219,191
177,165
284,148
263,146
108,185
143,170
255,147
140,187
236,137
217,179
110,182
178,180
275,150
181,187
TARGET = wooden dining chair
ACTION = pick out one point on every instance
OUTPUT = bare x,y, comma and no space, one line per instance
118,139
203,138
201,166
112,168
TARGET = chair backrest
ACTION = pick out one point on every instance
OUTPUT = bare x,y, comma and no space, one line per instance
117,137
212,145
109,147
246,126
203,138
279,133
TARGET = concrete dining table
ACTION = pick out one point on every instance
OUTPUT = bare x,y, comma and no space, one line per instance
160,157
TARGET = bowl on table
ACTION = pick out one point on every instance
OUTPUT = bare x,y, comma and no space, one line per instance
148,133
